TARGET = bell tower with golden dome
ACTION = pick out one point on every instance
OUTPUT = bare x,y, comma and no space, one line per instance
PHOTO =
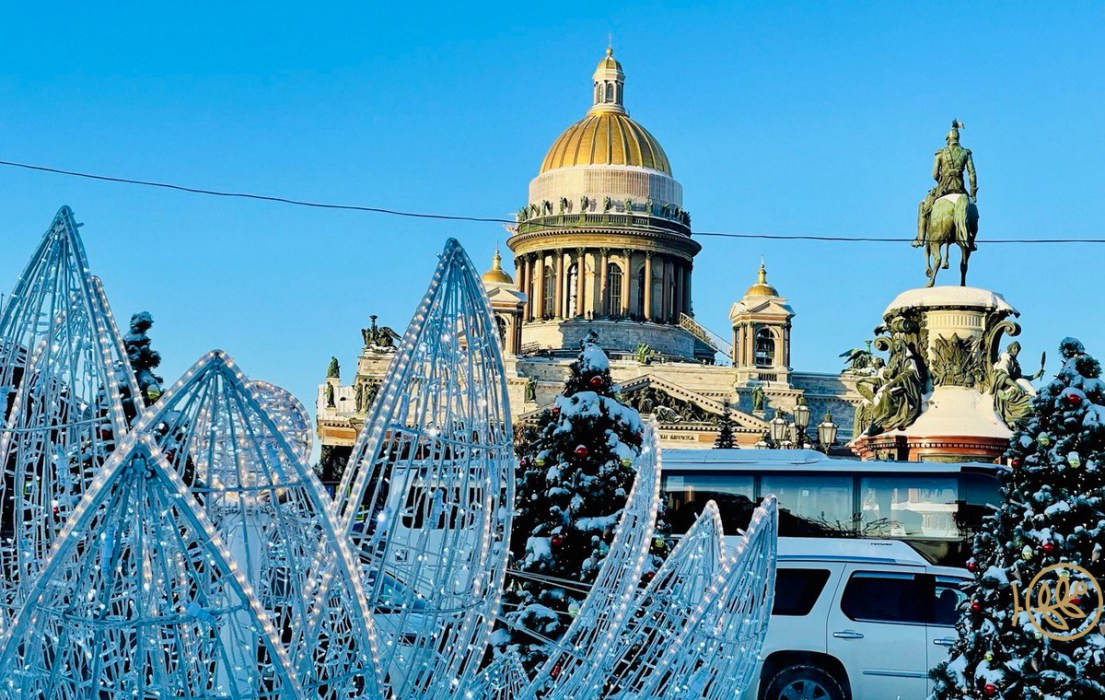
604,243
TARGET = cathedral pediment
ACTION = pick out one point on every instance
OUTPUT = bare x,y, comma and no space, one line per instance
670,403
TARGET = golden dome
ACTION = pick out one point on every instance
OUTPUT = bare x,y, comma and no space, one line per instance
762,288
606,138
497,275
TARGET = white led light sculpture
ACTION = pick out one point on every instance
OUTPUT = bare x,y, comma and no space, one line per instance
662,611
504,679
603,613
269,509
715,655
428,494
65,388
289,415
140,598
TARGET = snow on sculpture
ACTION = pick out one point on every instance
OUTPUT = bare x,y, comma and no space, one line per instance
428,493
602,615
715,655
141,598
662,611
67,393
270,511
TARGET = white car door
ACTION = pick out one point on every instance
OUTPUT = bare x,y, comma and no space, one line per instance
877,629
941,631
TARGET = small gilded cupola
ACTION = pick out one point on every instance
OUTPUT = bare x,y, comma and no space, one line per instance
609,84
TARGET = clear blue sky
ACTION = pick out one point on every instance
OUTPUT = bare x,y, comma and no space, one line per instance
777,117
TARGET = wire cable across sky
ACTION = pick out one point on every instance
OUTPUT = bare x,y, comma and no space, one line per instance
491,219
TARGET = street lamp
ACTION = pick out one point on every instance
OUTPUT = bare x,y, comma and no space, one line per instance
826,432
778,428
801,422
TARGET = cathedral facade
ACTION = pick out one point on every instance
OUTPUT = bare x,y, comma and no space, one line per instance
604,245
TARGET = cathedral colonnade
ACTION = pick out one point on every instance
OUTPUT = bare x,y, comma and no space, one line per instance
567,283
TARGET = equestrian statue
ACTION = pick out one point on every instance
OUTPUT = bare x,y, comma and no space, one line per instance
948,213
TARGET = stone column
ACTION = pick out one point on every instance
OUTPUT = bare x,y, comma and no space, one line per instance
688,306
628,281
539,288
648,285
520,270
679,292
559,305
665,290
602,283
580,283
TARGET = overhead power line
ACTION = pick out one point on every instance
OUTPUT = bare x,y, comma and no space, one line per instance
492,219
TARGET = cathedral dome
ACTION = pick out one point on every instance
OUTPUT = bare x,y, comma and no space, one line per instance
762,288
497,275
607,135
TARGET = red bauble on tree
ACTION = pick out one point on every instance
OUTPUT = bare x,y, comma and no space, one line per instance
972,566
1048,547
557,541
975,606
596,381
991,690
1074,399
582,451
1015,462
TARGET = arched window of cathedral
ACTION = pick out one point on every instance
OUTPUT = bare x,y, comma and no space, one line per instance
573,288
765,348
614,285
549,296
641,292
609,92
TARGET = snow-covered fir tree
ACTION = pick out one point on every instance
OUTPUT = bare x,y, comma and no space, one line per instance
725,438
1052,512
143,359
576,471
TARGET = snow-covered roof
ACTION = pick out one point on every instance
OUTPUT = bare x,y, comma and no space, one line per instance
933,297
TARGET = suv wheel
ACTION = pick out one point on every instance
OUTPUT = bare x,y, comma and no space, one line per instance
803,683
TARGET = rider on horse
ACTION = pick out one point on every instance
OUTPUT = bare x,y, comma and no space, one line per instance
951,162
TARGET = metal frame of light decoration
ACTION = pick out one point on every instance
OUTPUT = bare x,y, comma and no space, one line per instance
504,679
427,496
142,598
64,378
716,654
271,512
661,613
601,617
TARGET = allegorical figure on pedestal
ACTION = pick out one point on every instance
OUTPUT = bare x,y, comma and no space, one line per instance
948,213
896,400
1013,392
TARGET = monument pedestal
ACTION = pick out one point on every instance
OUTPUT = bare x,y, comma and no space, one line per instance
932,401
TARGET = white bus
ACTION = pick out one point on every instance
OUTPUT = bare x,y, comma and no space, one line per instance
936,507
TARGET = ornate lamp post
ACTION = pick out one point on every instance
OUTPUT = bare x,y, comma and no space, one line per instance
801,422
779,428
826,432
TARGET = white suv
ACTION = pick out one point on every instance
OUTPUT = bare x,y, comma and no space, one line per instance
855,619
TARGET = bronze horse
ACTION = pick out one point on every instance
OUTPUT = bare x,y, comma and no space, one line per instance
954,219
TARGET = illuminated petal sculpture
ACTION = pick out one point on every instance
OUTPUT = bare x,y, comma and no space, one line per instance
269,509
428,494
141,598
662,612
602,615
717,652
65,389
504,679
289,415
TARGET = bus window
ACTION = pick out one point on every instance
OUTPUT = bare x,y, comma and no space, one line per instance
811,506
686,495
909,507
